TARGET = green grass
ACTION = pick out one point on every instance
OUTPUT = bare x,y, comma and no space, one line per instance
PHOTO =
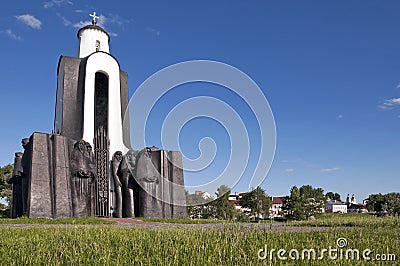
112,246
84,220
226,244
350,220
182,220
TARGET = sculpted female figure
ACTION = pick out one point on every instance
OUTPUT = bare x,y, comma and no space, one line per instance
82,180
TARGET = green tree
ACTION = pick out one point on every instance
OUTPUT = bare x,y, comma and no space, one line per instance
5,188
257,201
294,206
392,203
304,202
314,199
333,196
306,191
222,191
223,208
375,202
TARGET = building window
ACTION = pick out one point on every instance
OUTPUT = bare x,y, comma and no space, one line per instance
97,45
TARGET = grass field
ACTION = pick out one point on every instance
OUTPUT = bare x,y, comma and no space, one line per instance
85,220
350,220
183,220
227,244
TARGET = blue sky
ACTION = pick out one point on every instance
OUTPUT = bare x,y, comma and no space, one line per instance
329,69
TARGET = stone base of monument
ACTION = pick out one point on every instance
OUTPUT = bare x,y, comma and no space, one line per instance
61,177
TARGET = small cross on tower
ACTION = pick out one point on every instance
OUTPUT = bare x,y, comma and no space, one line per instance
94,22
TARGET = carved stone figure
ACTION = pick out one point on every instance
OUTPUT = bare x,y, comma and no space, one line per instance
116,160
126,170
89,148
25,165
82,179
148,178
82,163
24,143
16,181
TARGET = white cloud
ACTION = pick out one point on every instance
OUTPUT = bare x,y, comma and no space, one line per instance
154,31
330,169
11,34
398,86
30,21
288,170
52,3
82,24
339,117
288,161
111,19
390,104
116,19
101,21
64,20
384,107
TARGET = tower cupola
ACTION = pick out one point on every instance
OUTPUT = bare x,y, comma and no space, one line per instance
93,38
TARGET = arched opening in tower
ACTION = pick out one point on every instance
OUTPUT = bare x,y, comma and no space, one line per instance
101,143
101,101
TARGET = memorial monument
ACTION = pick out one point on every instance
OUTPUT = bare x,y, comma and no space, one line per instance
86,166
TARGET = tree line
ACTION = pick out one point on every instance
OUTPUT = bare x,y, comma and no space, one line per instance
302,203
5,188
256,204
388,203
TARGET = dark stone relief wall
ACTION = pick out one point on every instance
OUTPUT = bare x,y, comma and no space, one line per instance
124,108
16,181
26,171
158,172
61,173
40,200
72,97
60,180
178,197
51,180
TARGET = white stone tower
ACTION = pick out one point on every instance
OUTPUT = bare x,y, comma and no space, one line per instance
92,97
102,95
